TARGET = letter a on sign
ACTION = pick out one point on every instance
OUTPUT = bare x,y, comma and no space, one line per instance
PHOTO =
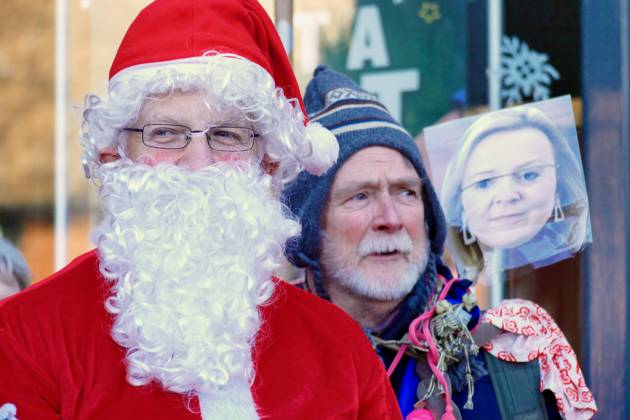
368,40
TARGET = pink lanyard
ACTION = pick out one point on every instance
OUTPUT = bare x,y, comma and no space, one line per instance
420,335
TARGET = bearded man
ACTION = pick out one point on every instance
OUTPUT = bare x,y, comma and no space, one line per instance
373,233
176,314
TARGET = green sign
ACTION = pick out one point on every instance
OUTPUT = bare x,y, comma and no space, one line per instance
411,53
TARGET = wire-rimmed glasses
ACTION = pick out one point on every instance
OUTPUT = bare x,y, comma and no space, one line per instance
174,136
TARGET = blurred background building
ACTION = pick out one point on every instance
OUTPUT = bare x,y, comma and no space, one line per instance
428,61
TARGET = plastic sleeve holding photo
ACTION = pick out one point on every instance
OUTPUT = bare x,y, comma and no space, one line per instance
511,186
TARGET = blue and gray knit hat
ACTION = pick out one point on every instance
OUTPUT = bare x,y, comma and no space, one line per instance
358,121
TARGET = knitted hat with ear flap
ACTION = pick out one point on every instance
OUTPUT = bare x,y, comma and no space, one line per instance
358,121
180,33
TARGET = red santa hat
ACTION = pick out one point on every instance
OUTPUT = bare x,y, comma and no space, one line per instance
181,32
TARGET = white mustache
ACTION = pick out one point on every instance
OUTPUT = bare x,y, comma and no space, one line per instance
378,244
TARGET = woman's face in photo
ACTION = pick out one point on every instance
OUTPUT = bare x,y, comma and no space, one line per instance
509,187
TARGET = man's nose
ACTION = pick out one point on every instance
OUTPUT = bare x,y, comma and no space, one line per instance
197,154
387,216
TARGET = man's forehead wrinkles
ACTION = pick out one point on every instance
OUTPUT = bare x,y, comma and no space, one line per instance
378,182
357,184
210,116
411,180
157,117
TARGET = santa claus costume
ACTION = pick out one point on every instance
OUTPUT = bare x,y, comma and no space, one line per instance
177,314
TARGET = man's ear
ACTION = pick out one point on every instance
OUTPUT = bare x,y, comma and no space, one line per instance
108,154
269,166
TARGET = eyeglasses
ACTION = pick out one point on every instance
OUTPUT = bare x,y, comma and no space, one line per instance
524,177
173,136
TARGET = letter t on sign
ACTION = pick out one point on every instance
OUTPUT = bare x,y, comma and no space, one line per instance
389,87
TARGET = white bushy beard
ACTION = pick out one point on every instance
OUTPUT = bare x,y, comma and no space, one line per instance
341,264
190,256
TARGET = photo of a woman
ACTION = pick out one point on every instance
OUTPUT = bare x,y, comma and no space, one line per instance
514,186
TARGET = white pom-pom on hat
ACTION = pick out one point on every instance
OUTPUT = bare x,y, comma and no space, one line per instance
324,149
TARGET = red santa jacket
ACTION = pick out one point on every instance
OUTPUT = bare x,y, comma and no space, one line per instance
58,360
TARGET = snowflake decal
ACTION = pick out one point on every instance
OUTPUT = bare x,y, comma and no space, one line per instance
524,71
430,12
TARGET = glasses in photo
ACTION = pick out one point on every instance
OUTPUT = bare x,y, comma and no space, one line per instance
527,176
173,136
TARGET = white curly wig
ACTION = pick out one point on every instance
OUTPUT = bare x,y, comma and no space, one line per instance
242,84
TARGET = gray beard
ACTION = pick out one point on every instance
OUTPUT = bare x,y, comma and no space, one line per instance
346,272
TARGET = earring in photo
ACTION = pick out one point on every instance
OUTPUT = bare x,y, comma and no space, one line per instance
558,214
467,235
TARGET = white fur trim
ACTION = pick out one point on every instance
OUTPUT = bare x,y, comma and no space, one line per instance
236,402
193,65
324,146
